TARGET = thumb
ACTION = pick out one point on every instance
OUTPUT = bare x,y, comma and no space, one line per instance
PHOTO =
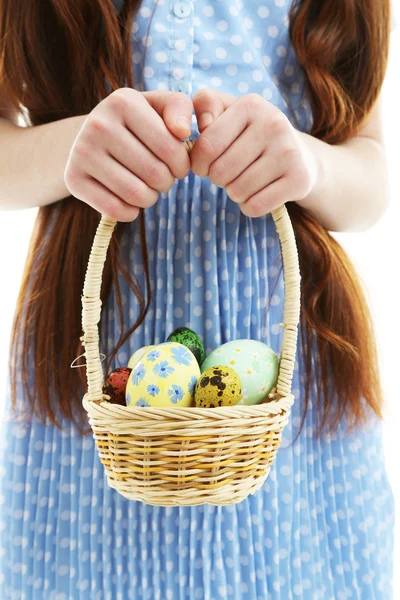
209,105
175,108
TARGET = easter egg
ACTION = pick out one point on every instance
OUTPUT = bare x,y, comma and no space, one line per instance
115,385
255,363
165,376
218,386
136,356
190,339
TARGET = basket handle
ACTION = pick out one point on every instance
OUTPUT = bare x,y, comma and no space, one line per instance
91,303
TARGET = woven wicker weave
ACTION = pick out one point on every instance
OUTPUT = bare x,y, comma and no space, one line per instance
188,456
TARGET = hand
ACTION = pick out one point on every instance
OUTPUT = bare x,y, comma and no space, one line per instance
128,150
252,150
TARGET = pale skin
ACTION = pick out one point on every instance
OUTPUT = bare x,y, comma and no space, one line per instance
128,149
251,149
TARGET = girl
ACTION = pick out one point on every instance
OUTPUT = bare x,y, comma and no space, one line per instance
283,102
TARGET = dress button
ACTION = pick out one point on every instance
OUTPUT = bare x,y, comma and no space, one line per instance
179,86
182,9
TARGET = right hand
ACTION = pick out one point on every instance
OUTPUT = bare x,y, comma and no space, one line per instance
128,150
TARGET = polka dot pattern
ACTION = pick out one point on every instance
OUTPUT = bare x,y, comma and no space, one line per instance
321,526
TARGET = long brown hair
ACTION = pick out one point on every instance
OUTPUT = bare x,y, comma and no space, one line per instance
56,57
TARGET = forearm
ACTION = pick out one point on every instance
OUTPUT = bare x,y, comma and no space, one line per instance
351,192
33,161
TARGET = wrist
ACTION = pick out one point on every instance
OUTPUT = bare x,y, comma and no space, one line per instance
316,166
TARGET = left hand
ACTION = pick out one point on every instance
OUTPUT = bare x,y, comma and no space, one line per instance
252,150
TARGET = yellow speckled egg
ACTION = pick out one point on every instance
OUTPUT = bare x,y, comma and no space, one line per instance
165,376
136,356
218,386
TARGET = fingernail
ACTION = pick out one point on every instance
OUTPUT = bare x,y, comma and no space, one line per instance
206,119
183,122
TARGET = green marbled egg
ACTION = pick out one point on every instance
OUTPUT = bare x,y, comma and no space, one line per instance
190,339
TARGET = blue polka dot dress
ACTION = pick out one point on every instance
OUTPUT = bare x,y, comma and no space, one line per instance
322,524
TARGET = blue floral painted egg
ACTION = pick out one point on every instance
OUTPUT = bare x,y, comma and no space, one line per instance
166,375
136,356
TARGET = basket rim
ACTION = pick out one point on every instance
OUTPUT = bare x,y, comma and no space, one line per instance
283,403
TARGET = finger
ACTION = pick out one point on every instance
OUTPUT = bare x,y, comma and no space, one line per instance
121,182
105,202
234,161
139,160
215,140
175,108
265,201
209,105
145,123
255,178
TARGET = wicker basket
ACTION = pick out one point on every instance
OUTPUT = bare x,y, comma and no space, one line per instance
188,456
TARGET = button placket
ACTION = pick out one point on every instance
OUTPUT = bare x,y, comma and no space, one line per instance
182,9
181,58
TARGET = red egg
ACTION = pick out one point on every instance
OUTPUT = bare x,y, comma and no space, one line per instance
115,385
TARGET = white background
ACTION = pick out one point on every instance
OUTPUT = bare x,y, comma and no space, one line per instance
376,254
